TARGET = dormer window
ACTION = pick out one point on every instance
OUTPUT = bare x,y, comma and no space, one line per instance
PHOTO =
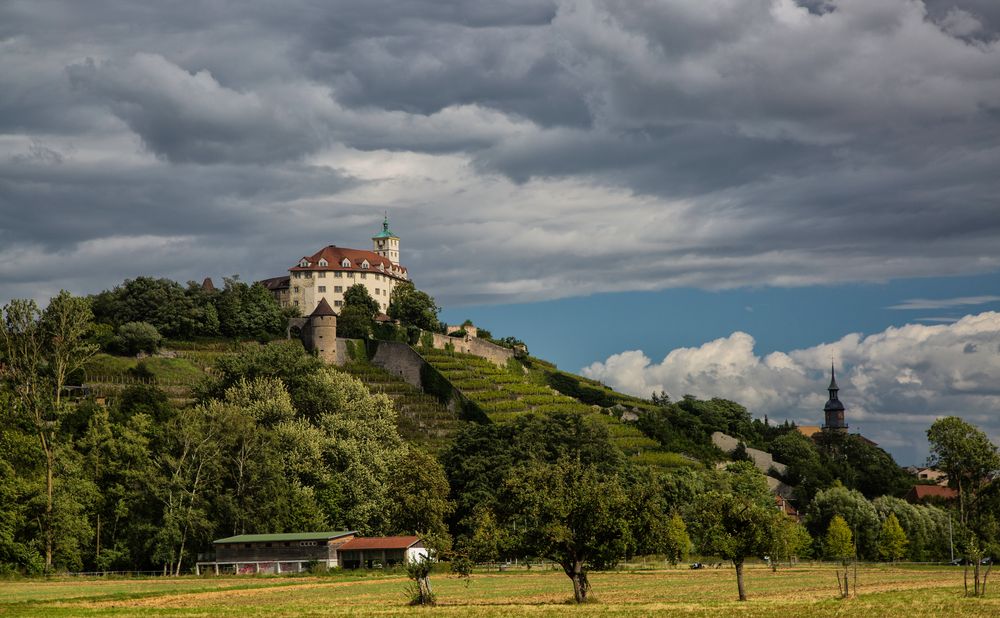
346,263
365,264
323,263
381,267
304,263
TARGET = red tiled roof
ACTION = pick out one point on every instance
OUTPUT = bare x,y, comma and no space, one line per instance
380,542
919,492
275,283
335,255
381,317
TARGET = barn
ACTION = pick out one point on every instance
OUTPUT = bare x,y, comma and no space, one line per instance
293,552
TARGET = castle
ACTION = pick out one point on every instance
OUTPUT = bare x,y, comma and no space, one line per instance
326,275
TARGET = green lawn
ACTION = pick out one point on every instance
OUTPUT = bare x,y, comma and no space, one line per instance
803,591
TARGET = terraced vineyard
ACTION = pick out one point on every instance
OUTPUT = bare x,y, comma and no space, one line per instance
505,394
422,419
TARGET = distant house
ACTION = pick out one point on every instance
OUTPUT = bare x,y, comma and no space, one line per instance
934,475
293,552
923,493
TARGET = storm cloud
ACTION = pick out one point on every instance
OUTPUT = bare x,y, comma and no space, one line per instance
525,150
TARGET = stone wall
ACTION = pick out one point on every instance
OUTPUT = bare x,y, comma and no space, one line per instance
399,359
762,460
476,347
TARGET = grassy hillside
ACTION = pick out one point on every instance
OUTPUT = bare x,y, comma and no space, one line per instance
422,419
505,393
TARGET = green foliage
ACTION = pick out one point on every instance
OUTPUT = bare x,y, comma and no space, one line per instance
357,296
573,515
838,543
135,337
854,508
413,307
966,455
892,540
354,322
678,544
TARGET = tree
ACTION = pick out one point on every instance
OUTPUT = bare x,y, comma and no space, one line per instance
678,544
573,515
357,296
488,539
838,544
40,352
135,337
892,540
734,527
421,490
354,322
789,540
413,308
966,455
851,506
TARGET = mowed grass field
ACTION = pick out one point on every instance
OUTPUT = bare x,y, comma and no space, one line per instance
885,592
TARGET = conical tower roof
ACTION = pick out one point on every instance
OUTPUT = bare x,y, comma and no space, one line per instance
322,309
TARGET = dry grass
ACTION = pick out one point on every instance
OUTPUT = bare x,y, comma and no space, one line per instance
884,592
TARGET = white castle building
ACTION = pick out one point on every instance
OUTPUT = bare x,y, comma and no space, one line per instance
328,273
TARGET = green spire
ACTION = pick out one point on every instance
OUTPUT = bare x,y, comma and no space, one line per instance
386,232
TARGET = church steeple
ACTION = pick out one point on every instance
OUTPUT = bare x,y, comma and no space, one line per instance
833,411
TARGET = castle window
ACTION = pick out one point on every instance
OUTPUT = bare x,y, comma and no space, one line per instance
350,275
337,274
322,288
364,275
304,263
321,275
365,264
295,302
346,263
338,288
323,263
338,303
295,288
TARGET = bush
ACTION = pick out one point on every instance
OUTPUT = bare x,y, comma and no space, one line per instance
135,337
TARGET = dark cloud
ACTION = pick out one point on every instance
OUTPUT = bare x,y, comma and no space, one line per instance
732,143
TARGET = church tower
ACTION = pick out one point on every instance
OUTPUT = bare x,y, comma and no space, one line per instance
386,243
834,410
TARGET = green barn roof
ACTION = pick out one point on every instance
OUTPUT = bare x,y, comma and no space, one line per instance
285,536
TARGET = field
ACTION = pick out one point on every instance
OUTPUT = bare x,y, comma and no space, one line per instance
806,590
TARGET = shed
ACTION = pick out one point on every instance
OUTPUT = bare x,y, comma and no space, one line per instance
381,551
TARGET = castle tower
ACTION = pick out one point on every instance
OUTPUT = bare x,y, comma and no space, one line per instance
323,331
386,243
834,410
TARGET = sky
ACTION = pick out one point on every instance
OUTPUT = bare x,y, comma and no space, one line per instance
714,197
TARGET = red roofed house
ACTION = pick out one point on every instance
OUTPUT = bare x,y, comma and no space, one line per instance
922,493
331,270
380,551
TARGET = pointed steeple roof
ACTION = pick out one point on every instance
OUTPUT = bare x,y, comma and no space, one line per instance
322,309
833,403
386,232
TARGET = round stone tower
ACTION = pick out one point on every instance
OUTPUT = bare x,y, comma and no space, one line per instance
323,332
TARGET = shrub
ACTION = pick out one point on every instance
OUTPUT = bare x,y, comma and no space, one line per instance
135,337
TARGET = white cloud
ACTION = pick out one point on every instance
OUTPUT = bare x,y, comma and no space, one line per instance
944,303
894,383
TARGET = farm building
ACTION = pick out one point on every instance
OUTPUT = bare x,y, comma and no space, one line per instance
380,551
294,551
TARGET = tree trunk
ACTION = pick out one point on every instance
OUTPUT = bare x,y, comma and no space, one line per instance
49,465
982,590
424,588
581,586
847,580
739,580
